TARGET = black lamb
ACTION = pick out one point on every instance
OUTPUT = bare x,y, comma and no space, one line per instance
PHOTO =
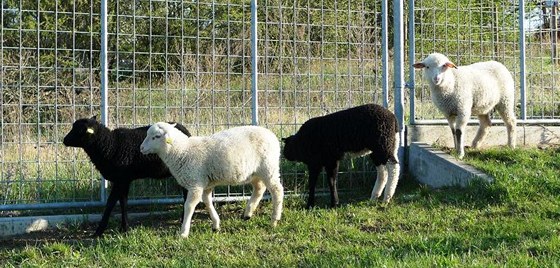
116,154
323,141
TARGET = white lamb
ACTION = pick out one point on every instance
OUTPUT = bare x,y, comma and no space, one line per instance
240,155
476,89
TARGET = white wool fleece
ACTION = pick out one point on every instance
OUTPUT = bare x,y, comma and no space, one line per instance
240,155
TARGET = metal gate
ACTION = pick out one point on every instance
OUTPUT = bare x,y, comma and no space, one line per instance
139,62
216,64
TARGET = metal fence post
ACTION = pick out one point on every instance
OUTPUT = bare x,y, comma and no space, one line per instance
254,63
104,81
522,67
398,68
411,59
385,53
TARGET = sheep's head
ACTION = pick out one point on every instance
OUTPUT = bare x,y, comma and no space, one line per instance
435,68
82,133
290,148
157,138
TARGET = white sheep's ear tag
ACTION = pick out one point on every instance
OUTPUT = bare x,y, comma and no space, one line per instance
168,140
90,130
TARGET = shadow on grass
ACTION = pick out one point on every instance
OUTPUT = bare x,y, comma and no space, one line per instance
81,234
169,221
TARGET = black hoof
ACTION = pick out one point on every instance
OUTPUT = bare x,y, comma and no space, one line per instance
246,218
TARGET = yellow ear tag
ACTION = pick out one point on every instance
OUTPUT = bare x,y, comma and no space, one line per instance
168,140
89,130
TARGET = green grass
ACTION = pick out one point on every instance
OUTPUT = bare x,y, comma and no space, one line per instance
514,222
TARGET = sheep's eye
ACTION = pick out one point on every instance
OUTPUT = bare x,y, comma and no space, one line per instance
156,137
427,67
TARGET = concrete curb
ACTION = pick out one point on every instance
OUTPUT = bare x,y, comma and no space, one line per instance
527,135
10,226
438,169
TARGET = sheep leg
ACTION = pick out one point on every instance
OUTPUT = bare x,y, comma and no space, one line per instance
485,124
193,198
207,199
277,192
313,175
115,194
185,192
379,182
451,123
258,191
123,200
509,119
394,171
461,125
332,172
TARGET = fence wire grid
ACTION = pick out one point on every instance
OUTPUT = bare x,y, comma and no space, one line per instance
190,62
168,60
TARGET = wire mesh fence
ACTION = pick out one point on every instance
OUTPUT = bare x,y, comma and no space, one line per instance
469,32
184,61
191,62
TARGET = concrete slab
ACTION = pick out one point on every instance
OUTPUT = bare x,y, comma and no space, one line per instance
10,226
436,168
532,135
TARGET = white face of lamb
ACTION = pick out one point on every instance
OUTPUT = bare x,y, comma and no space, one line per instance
152,141
434,73
435,68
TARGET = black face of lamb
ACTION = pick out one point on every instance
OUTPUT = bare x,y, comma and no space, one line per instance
79,135
116,154
290,148
323,141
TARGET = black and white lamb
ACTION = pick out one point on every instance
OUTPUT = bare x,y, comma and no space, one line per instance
323,142
116,154
476,89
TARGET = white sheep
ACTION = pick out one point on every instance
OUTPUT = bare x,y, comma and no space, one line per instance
240,155
476,89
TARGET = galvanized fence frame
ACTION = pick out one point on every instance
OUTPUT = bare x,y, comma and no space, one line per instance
275,91
347,85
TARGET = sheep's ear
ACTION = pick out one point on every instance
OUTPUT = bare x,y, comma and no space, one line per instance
94,118
173,125
284,139
419,65
450,65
